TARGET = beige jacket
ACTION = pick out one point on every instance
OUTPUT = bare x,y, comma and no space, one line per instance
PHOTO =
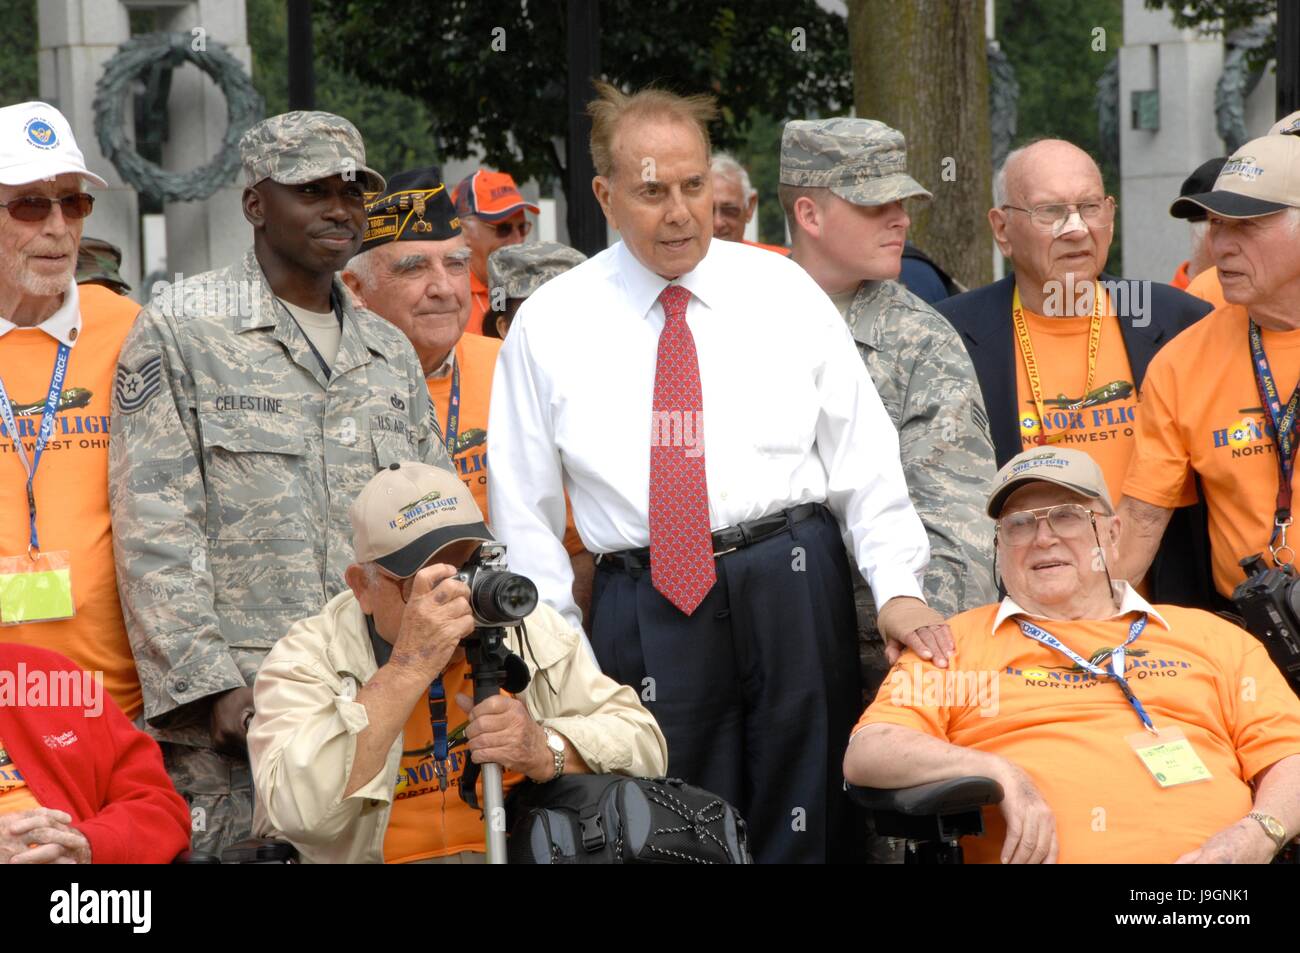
303,739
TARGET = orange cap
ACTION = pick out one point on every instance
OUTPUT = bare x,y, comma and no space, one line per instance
491,196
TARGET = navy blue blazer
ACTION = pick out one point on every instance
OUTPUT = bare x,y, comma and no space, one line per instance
1180,573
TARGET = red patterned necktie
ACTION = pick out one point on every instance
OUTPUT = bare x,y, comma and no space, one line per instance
681,546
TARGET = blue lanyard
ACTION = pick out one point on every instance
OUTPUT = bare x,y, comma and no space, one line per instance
42,437
438,719
1284,425
1116,670
452,430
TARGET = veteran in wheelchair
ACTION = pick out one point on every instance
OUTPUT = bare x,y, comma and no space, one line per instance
1118,731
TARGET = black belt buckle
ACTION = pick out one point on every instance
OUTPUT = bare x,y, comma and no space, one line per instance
593,832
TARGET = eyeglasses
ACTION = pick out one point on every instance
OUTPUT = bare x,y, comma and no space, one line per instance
36,208
1050,217
1066,520
404,586
730,212
504,229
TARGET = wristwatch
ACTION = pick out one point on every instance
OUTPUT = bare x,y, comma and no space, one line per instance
555,741
1272,827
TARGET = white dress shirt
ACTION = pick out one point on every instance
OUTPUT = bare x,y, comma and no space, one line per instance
790,416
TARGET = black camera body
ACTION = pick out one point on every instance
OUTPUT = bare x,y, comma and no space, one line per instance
497,596
1269,601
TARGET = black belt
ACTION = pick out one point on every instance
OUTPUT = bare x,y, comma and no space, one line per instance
726,540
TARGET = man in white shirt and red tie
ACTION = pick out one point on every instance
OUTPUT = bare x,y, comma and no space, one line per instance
719,438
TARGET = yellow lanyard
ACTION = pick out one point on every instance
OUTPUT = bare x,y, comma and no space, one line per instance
1031,364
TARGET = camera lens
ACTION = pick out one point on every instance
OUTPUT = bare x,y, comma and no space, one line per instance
502,597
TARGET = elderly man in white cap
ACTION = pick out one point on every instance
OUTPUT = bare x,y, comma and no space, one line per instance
1119,731
58,351
362,709
1220,400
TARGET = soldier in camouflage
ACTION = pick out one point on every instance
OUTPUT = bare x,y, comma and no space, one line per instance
843,183
251,405
515,272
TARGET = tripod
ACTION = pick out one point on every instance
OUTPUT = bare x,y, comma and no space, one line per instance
487,652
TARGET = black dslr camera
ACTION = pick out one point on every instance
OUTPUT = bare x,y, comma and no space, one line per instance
1269,601
496,595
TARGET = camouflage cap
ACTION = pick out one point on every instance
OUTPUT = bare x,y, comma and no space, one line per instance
297,147
860,160
522,269
98,262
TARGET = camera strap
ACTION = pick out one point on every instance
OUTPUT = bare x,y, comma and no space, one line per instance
1284,420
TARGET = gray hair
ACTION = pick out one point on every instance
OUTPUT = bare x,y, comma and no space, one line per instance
362,265
725,164
371,570
1000,177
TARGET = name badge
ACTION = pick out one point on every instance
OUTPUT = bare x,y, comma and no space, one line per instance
36,590
1169,756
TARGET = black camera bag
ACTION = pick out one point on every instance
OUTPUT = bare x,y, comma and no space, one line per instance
613,819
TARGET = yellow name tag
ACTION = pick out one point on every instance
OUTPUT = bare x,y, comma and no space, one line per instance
35,590
1169,756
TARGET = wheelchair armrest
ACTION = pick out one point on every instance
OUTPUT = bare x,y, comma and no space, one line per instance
258,850
953,796
195,857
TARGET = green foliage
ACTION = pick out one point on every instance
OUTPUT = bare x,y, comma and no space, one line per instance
19,76
512,103
1050,45
1215,16
396,128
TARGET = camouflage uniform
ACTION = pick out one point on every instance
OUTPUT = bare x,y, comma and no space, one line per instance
233,463
519,270
924,376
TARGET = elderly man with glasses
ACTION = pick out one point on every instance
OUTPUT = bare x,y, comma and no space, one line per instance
1060,348
491,211
1120,732
58,355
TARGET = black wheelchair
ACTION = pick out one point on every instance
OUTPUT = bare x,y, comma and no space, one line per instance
931,818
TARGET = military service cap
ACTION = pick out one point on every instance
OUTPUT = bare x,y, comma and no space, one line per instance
98,262
414,208
522,269
860,160
303,146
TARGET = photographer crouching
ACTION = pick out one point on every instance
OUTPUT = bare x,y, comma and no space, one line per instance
365,719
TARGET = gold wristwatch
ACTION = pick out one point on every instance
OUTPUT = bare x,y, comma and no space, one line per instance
1272,827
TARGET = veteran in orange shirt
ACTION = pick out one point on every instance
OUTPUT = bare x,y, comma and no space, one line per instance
1118,730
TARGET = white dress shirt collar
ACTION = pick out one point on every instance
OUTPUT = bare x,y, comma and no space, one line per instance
643,286
64,325
1130,601
443,369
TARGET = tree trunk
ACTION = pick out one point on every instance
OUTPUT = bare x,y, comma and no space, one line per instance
920,66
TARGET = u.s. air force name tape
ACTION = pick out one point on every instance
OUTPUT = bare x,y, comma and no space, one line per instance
135,388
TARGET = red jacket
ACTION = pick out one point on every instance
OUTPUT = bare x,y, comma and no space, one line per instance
102,770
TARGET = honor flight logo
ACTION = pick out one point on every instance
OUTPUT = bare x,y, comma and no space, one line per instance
1247,435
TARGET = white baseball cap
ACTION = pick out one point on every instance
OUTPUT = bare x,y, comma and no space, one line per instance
36,143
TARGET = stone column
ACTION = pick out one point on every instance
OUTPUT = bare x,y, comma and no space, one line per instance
77,37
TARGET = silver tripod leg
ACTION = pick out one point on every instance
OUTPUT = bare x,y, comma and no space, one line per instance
494,814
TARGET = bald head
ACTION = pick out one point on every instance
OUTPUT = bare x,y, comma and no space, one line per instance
1024,168
1057,254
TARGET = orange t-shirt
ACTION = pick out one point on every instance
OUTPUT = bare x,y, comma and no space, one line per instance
1105,426
426,822
1181,279
71,486
1207,287
1202,412
15,795
1014,697
476,356
779,249
480,304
